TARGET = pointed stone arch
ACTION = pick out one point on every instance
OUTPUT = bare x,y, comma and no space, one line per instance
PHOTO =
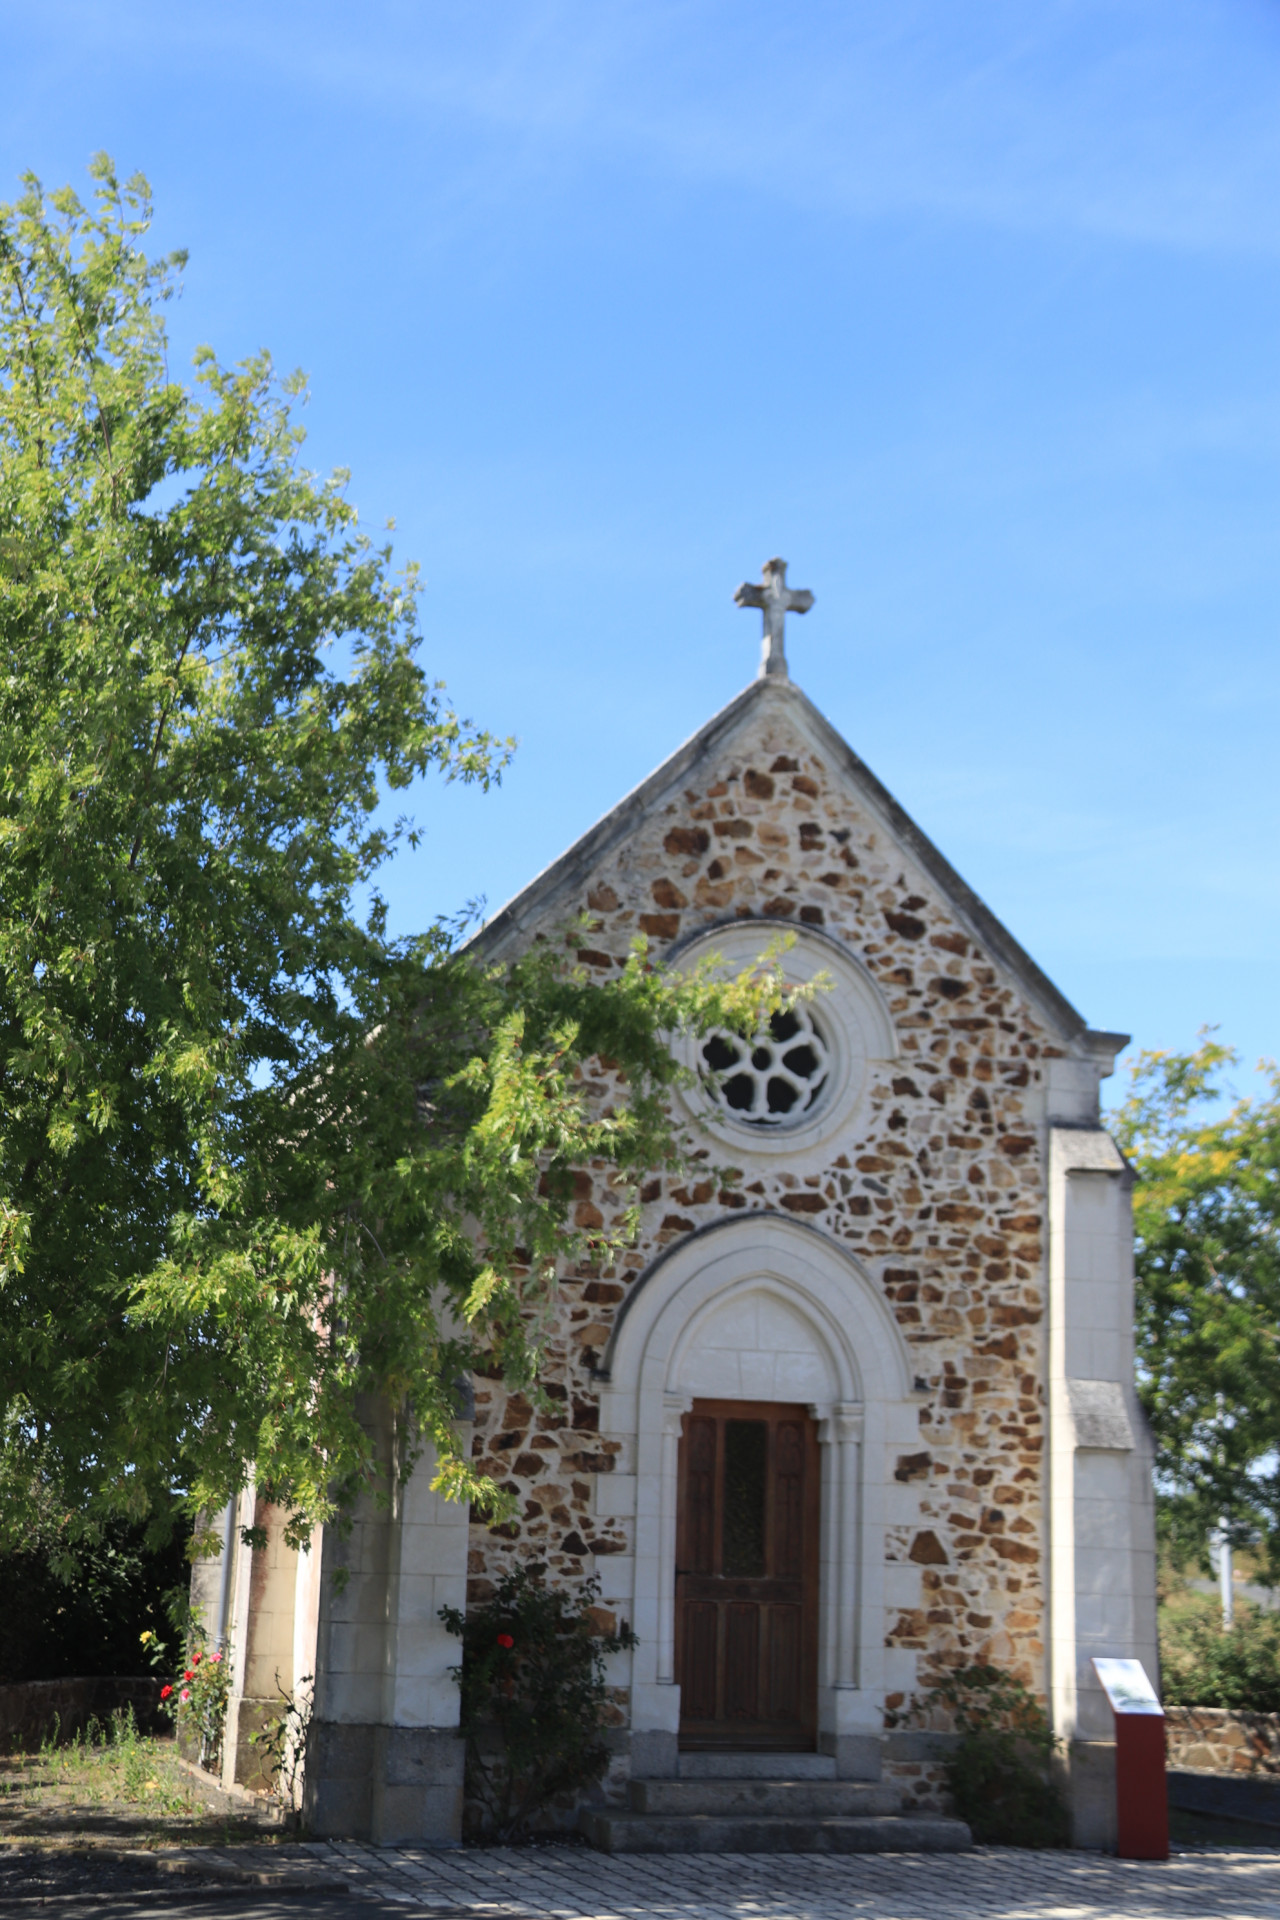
757,1308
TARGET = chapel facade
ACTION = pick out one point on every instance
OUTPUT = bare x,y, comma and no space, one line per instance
857,1405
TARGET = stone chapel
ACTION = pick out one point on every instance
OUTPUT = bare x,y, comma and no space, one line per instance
862,1412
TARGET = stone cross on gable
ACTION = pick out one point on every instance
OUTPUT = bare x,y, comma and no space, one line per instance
775,600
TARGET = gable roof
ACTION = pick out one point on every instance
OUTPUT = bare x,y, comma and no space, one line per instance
519,918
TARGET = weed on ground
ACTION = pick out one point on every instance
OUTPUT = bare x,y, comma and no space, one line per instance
114,1784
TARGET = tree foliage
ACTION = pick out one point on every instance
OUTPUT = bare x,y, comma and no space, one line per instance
258,1160
1207,1222
1204,1664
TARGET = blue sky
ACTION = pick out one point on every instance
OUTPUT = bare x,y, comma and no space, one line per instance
969,311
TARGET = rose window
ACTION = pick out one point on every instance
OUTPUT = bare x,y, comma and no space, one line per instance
772,1080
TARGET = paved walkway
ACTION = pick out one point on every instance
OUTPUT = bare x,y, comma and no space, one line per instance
571,1883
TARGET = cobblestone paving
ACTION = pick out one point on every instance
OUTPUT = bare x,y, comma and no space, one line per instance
987,1884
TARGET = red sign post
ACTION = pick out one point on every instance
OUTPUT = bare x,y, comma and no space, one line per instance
1142,1799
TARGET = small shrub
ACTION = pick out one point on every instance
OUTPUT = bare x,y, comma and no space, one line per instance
1001,1773
284,1739
1203,1664
196,1698
533,1697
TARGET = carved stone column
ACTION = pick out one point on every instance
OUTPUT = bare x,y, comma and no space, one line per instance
674,1408
840,1437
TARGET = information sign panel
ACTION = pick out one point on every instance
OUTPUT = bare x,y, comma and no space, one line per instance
1142,1800
1127,1687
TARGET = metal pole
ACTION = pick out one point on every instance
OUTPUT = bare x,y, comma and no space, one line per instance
224,1584
1226,1583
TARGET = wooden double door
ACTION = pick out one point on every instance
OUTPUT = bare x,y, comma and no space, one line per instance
747,1576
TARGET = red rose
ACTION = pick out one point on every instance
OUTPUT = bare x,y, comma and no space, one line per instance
196,1661
505,1640
165,1692
188,1675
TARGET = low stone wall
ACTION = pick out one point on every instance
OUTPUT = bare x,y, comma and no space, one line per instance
33,1710
1221,1740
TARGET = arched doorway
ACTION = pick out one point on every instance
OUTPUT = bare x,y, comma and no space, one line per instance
755,1312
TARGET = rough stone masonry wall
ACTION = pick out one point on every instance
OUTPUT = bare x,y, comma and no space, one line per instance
939,1195
1218,1740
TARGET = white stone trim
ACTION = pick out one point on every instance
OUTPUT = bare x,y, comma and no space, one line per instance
857,1030
1100,1512
867,1413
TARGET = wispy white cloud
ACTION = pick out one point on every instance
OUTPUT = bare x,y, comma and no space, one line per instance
1143,120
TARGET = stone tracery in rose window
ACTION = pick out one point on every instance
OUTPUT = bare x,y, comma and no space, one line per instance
774,1079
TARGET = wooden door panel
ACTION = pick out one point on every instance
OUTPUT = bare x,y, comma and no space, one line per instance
742,1661
785,1632
747,1575
701,1628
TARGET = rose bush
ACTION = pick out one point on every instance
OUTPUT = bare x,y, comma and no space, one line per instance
196,1698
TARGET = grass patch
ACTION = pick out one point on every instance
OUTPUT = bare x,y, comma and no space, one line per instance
113,1783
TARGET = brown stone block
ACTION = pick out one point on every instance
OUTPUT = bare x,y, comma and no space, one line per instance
687,840
803,1202
1012,1549
705,895
734,829
927,1550
758,785
603,899
1005,1316
665,894
660,926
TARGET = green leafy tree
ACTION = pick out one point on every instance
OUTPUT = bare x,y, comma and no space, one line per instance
260,1164
1207,1222
1204,1664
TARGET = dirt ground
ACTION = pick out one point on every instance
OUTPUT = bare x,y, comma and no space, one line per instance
124,1789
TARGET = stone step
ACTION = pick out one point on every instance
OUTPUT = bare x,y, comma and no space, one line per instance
786,1799
756,1766
713,1833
